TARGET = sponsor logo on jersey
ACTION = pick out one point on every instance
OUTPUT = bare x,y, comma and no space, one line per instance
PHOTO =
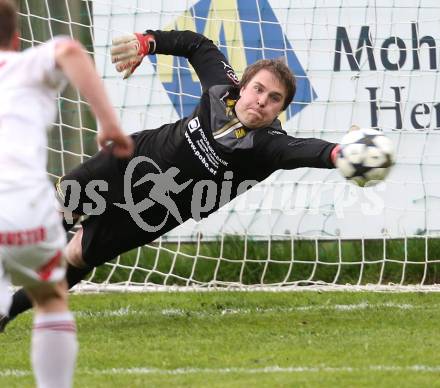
245,31
194,124
230,73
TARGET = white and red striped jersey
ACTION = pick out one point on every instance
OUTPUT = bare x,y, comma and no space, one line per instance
30,226
29,84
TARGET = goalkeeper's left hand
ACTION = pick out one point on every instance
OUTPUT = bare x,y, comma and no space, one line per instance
336,151
128,51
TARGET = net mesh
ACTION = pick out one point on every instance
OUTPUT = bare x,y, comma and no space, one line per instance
375,65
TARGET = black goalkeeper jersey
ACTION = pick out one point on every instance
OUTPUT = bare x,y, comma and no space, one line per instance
187,169
212,144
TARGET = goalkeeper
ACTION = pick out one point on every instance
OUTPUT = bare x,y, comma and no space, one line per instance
232,136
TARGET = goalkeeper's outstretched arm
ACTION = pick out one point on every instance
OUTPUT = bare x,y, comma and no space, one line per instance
208,61
78,67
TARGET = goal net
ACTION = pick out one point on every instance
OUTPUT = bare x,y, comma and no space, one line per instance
374,64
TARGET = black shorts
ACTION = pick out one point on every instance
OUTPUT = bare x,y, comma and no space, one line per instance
114,231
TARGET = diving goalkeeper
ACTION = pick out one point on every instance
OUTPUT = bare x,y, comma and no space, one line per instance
233,135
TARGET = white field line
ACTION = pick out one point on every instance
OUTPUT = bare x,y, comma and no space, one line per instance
268,369
125,311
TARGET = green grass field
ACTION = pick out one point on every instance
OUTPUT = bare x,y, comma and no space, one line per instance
245,339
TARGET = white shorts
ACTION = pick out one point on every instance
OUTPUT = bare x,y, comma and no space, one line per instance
32,239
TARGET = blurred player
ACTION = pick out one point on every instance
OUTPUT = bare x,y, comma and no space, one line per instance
32,239
232,140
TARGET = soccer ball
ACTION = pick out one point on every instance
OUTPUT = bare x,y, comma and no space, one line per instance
365,157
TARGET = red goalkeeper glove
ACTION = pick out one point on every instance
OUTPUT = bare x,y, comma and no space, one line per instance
128,51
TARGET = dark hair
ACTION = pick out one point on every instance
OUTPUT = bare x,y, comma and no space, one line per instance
8,22
279,69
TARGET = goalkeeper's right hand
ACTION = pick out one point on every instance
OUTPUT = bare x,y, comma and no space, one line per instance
128,51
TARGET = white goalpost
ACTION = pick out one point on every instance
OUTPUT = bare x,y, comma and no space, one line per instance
374,64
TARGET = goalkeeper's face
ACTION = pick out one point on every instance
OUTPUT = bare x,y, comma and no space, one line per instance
261,100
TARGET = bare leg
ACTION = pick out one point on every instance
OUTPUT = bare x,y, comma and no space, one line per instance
74,250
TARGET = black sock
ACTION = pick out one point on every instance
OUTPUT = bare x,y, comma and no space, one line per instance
22,303
74,275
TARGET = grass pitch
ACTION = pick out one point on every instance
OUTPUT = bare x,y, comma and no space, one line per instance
245,339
